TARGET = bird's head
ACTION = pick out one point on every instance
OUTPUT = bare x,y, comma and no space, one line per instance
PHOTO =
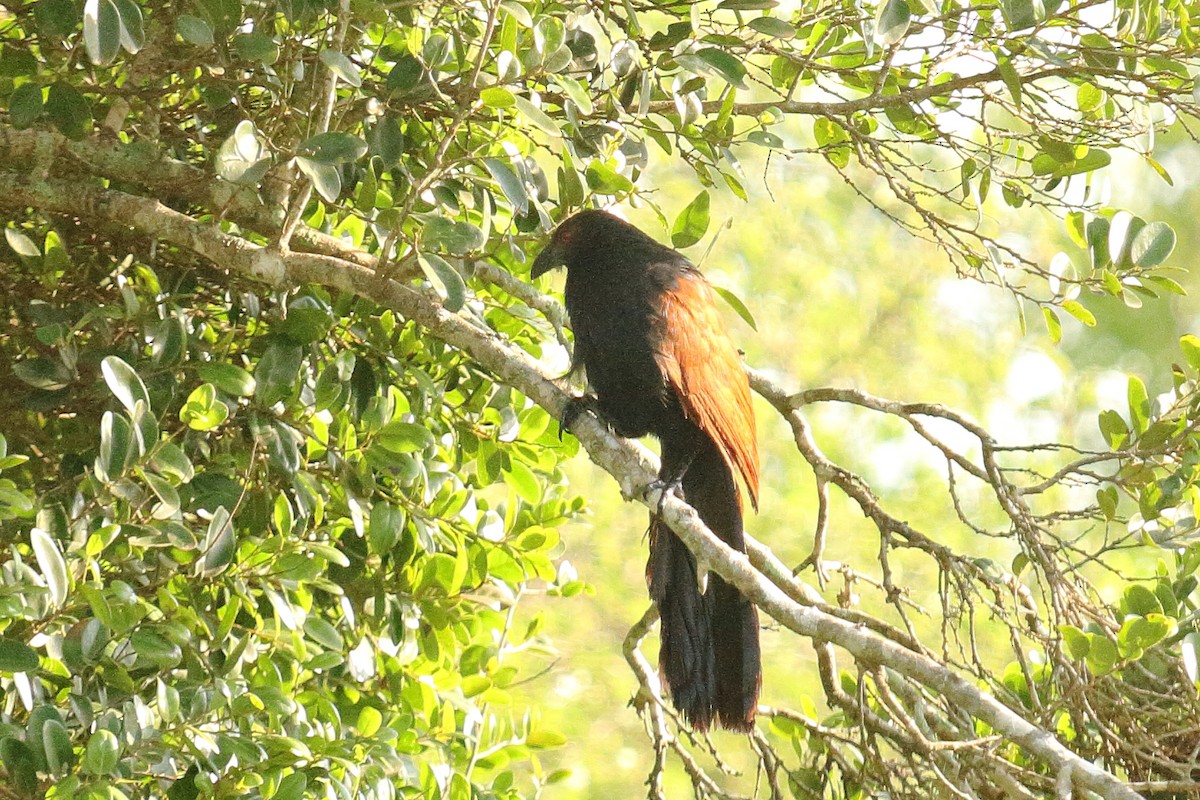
584,234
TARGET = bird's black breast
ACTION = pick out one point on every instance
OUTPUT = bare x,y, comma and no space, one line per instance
618,327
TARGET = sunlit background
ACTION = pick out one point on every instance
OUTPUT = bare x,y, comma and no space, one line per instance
843,298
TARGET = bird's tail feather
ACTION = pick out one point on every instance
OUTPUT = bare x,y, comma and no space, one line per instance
685,656
710,655
734,625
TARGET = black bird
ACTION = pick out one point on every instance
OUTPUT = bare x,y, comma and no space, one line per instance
659,361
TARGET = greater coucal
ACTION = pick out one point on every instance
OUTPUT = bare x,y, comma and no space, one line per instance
657,356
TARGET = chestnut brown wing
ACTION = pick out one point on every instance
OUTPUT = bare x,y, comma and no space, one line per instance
702,366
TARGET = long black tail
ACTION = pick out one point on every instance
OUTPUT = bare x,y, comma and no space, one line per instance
709,657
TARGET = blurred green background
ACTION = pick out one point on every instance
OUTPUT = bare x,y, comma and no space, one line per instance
842,297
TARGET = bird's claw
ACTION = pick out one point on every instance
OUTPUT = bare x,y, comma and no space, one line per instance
666,486
573,408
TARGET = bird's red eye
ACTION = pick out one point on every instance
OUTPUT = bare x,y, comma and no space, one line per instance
565,233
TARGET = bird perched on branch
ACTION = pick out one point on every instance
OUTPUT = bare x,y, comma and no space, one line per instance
659,361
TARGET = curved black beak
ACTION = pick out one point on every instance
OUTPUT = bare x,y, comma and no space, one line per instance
552,256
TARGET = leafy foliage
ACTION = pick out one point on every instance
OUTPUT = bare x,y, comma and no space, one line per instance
261,550
274,541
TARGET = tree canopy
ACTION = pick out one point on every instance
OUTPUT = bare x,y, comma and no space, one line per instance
281,484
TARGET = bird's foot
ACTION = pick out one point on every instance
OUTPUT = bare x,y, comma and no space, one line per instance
667,486
573,408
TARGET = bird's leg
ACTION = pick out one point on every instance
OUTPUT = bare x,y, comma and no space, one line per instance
672,481
573,408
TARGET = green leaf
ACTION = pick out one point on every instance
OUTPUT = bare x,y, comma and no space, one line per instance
497,97
69,110
1191,656
101,30
229,378
771,140
124,383
405,74
1053,324
405,437
518,12
1102,654
543,739
1022,14
20,765
387,141
292,787
1139,404
1190,345
256,46
454,236
56,18
102,753
133,34
714,61
322,632
43,373
1164,282
25,105
773,26
52,565
577,92
1060,151
165,492
1089,97
220,545
1097,238
155,649
242,157
737,305
369,721
339,64
1139,599
1152,245
570,187
1092,160
536,116
277,373
15,499
1076,641
194,30
1113,428
21,244
1107,499
603,179
203,411
692,223
333,147
1079,312
383,530
522,480
56,743
446,280
1076,228
892,22
305,325
1138,633
326,178
17,656
1098,51
1160,169
510,183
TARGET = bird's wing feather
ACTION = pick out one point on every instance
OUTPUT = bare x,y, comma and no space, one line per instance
702,366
